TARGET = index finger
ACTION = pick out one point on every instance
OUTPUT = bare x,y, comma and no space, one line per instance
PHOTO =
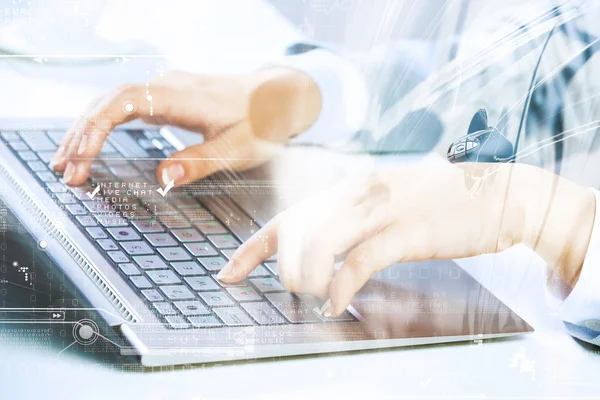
262,245
86,140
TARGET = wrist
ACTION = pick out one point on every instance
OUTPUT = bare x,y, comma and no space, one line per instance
558,218
282,102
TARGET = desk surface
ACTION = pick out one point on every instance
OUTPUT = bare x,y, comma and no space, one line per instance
546,364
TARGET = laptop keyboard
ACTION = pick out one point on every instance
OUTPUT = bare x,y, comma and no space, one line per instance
169,249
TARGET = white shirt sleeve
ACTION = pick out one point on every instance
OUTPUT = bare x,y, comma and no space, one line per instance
344,95
582,306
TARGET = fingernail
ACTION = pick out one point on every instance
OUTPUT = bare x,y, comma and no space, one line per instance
225,271
69,171
82,145
173,172
58,156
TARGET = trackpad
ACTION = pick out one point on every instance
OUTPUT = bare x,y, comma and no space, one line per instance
434,298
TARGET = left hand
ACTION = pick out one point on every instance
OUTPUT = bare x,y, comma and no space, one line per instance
416,214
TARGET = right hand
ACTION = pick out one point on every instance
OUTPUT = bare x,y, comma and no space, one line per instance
245,119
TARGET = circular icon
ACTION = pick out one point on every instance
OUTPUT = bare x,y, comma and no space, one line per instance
85,332
43,245
129,108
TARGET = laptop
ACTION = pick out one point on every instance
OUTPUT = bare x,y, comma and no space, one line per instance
147,263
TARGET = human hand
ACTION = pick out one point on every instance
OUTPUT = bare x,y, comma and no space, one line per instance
415,214
244,119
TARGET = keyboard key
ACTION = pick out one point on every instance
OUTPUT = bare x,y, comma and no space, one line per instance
141,282
37,166
315,304
110,221
150,176
87,220
20,146
174,253
108,245
118,256
177,322
216,299
121,234
267,285
129,269
165,309
66,198
198,214
233,316
38,141
136,248
147,226
27,156
174,221
99,207
56,187
160,239
46,156
177,292
272,267
163,277
140,213
204,322
259,271
161,208
292,308
97,233
101,176
81,191
145,165
10,136
187,235
201,249
46,176
188,268
183,201
127,145
123,171
201,283
107,149
158,145
263,313
56,136
212,264
243,293
210,227
76,209
192,308
228,253
152,295
150,262
224,241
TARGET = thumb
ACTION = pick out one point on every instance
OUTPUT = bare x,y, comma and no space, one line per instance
227,151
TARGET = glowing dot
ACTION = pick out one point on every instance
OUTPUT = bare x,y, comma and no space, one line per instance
149,97
15,264
86,332
43,244
129,107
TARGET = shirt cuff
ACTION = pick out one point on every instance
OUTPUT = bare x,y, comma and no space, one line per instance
582,306
344,96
